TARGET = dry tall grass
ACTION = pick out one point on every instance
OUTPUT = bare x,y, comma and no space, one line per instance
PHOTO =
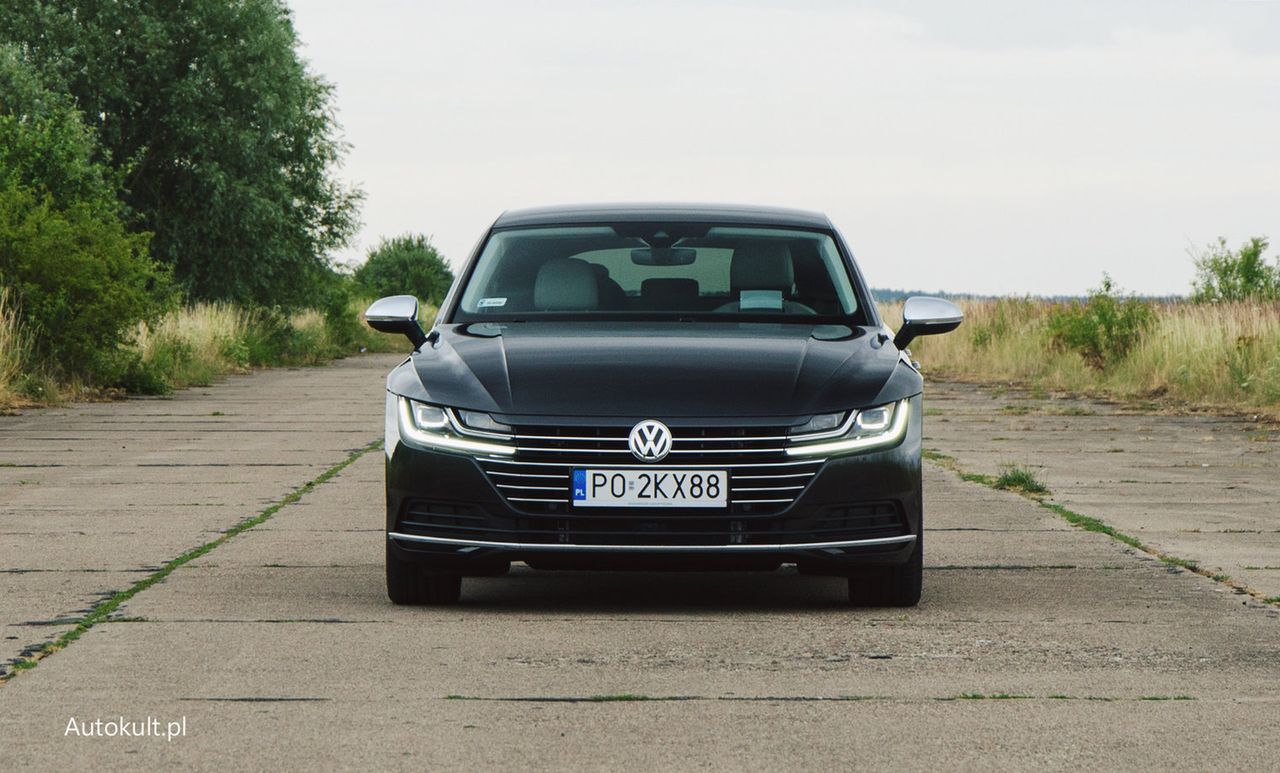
206,330
14,347
195,345
1222,354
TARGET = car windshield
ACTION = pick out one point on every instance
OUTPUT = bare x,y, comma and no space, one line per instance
659,270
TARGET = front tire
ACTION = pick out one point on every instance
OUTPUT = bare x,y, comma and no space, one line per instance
890,586
411,583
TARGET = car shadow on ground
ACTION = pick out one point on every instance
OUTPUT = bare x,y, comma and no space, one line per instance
525,590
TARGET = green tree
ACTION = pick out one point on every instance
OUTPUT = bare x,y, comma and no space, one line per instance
1223,275
226,143
81,280
406,264
45,141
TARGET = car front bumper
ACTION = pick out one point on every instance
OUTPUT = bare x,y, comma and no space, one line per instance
444,509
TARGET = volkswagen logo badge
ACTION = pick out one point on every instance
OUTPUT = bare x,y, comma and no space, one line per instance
650,441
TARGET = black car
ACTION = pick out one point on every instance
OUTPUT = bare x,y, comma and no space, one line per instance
665,387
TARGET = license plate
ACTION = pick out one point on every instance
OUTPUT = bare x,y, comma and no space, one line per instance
650,488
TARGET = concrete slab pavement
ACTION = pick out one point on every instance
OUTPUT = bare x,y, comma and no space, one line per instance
1036,645
93,493
1202,487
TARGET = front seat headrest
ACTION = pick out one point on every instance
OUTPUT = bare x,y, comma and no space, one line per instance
762,264
566,284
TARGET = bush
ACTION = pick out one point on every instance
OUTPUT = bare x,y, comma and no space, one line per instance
406,265
154,376
81,281
1223,275
1104,328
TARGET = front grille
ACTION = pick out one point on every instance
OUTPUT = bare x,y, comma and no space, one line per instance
762,479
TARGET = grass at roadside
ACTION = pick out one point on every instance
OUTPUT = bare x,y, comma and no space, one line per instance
1225,354
13,348
197,344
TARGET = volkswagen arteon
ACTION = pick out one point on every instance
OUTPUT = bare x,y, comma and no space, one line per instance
656,387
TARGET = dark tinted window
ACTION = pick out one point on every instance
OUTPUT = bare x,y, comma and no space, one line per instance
658,269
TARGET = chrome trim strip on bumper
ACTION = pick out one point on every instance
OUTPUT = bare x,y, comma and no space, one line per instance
636,465
571,548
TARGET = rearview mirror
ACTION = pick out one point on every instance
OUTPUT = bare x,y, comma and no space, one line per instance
663,256
396,314
922,316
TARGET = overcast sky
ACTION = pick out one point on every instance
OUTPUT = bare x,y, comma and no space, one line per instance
1013,146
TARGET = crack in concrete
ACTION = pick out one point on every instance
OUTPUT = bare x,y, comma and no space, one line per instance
222,464
1003,567
272,621
635,698
262,699
143,570
1174,564
102,611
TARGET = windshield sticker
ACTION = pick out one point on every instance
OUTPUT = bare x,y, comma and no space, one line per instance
770,300
489,303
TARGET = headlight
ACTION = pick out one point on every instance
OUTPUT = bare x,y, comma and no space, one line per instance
820,426
870,428
483,422
873,420
429,418
436,427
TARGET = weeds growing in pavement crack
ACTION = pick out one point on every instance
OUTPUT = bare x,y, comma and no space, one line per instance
101,611
1021,481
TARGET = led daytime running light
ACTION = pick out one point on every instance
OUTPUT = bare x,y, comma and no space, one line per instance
890,437
414,435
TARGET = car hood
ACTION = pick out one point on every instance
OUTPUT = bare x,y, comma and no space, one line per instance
656,369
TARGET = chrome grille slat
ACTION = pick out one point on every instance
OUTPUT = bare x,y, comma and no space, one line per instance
531,450
535,463
762,479
623,438
704,451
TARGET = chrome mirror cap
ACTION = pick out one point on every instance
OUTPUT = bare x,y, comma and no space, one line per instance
393,308
396,314
922,315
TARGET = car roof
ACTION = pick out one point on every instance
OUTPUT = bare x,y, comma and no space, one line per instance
737,214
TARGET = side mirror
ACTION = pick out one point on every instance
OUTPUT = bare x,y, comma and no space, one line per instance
923,316
397,314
